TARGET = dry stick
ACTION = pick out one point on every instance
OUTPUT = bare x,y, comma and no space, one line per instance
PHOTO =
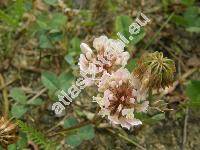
30,68
93,121
5,97
37,95
185,129
127,139
177,82
188,73
55,126
72,128
7,84
153,10
158,32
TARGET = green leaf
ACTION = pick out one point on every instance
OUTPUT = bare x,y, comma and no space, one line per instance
44,42
190,19
132,64
122,24
193,92
54,84
73,51
148,119
36,102
74,140
8,19
42,21
70,122
58,21
19,9
65,80
54,22
28,5
18,95
50,81
158,117
56,36
188,2
22,142
138,37
87,132
12,147
165,4
191,14
51,2
36,136
193,29
42,24
70,59
76,137
1,148
13,14
18,111
75,46
83,133
179,20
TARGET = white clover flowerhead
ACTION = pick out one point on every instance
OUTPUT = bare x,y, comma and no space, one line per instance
121,98
108,56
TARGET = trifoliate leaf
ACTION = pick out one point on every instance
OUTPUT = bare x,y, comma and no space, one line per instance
18,111
50,81
18,95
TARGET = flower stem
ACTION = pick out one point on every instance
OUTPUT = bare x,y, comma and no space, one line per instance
71,128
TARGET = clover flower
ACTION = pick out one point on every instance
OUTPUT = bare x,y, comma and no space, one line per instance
108,56
122,95
155,71
8,132
121,98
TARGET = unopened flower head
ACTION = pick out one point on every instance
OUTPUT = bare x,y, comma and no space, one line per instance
108,56
121,98
155,71
8,132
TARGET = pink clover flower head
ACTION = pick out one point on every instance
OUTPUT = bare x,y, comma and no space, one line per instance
121,98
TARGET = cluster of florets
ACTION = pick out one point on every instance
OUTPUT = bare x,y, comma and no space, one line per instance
121,94
8,132
155,70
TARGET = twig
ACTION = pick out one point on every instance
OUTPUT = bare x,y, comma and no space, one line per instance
30,68
37,95
94,121
7,84
177,82
5,97
185,129
127,139
58,124
153,10
30,91
72,128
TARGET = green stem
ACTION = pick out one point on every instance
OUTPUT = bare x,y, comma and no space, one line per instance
71,128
